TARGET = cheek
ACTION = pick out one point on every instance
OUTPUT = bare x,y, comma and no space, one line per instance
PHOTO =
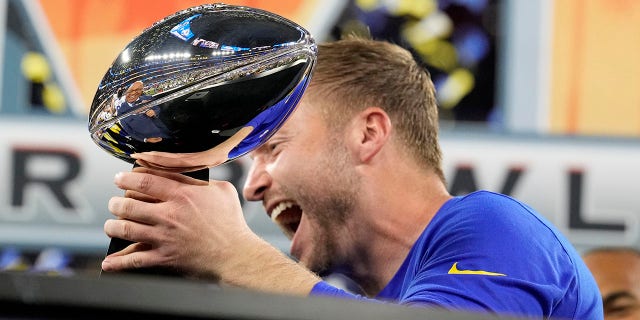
280,167
292,164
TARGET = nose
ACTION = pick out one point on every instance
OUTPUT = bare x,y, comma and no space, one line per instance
258,181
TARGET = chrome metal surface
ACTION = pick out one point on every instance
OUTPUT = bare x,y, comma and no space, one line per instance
202,87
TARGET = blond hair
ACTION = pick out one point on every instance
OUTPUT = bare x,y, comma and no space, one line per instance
354,73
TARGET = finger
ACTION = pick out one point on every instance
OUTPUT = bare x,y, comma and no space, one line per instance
165,159
154,186
134,210
140,196
180,169
146,164
129,230
136,246
179,177
134,260
181,162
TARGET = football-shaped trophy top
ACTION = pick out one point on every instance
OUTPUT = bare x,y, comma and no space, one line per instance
202,86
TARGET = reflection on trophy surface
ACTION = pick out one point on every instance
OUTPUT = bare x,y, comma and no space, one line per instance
201,87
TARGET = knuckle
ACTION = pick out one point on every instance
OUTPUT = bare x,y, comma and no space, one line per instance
126,230
144,184
226,186
135,261
171,219
182,192
126,207
121,208
185,194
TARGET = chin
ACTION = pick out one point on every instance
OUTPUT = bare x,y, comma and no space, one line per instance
319,266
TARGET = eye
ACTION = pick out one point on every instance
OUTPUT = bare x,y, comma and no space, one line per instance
620,310
273,146
276,144
621,307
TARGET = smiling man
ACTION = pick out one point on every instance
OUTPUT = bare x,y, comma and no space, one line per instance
617,272
354,179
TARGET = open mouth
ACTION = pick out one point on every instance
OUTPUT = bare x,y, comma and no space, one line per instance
287,216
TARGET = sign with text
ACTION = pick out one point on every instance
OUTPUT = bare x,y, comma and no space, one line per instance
54,188
584,186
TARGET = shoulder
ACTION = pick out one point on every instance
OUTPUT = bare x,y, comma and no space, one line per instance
487,201
486,241
498,231
122,105
485,211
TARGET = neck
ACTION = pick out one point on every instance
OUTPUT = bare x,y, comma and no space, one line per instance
389,222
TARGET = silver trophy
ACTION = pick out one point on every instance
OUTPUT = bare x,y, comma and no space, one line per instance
200,88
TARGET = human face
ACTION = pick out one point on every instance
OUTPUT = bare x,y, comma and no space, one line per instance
304,178
134,92
618,276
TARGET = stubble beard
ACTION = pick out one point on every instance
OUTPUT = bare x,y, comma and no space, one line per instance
328,205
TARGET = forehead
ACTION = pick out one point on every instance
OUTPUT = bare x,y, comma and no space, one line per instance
304,116
302,123
615,270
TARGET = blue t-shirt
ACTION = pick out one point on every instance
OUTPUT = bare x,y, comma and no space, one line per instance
491,253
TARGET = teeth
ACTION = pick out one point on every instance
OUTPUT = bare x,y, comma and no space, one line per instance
279,208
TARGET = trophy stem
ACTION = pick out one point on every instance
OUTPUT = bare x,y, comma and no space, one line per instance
117,244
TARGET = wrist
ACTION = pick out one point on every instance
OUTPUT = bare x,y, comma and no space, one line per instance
257,265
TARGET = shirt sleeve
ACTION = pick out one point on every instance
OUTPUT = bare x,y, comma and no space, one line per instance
324,289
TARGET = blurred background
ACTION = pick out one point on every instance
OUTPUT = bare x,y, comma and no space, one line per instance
538,100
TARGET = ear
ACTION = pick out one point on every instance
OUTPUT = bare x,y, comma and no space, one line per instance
372,128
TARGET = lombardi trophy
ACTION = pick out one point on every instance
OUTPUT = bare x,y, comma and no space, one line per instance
200,88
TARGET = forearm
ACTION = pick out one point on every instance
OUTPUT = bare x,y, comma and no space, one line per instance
199,229
257,265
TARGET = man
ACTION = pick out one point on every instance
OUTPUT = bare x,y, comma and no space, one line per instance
617,272
141,126
354,178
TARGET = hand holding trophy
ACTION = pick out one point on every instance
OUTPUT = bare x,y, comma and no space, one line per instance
200,88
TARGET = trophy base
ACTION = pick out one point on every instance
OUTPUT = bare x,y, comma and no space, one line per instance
117,244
